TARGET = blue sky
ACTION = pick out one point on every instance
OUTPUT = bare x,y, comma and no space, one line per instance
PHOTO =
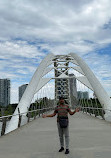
30,29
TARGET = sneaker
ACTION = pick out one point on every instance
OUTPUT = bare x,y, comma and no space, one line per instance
61,149
67,151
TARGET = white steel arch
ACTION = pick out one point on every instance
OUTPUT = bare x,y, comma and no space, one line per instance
96,85
29,93
37,82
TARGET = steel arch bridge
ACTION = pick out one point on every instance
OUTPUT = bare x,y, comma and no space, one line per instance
60,64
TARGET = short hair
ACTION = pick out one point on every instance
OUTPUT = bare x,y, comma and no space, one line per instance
61,98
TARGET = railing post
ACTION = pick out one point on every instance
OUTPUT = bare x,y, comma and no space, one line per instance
103,112
34,113
90,111
39,112
20,118
95,113
28,116
4,120
86,110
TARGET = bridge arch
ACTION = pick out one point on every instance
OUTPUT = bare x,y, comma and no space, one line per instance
94,82
37,82
29,93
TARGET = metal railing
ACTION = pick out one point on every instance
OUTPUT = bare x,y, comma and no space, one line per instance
97,112
31,115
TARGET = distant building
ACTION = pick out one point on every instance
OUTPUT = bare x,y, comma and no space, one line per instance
82,95
4,92
73,89
86,95
22,90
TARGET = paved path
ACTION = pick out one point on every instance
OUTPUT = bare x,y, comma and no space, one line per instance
89,138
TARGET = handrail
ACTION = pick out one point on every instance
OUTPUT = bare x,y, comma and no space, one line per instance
24,112
4,118
95,108
99,112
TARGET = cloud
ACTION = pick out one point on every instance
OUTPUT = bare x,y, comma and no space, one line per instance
100,65
17,55
31,29
18,62
64,21
18,48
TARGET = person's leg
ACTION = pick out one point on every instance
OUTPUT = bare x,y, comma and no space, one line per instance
60,131
66,133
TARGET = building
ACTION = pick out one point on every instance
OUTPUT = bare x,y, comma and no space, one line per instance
82,95
4,92
73,90
22,90
86,95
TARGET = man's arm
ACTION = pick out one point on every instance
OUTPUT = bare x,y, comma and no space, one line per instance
50,115
72,113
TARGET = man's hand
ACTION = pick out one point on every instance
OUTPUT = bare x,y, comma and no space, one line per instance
77,109
44,116
50,115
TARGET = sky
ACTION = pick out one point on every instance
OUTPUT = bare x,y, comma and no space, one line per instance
30,29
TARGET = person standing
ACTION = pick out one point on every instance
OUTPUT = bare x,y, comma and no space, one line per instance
62,111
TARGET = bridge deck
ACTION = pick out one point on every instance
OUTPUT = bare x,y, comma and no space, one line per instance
89,138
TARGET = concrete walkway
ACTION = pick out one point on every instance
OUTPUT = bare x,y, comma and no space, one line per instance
89,138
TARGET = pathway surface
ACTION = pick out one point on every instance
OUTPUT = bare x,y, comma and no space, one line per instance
89,138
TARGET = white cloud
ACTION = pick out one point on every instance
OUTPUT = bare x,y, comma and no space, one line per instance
57,26
18,48
64,21
100,65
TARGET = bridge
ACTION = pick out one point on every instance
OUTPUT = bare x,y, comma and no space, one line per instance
90,137
69,76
